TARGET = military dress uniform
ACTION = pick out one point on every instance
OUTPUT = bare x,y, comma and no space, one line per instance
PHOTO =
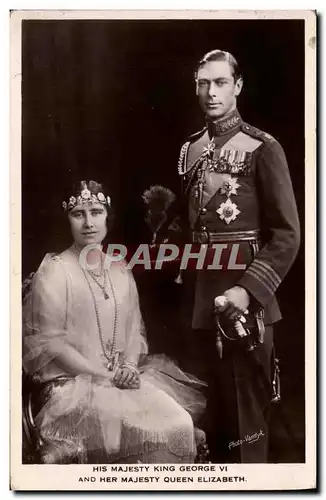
237,189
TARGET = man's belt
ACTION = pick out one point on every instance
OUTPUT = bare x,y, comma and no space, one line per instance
205,236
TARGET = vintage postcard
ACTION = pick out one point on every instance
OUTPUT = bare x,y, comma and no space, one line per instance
163,170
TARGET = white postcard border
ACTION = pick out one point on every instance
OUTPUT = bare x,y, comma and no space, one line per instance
258,477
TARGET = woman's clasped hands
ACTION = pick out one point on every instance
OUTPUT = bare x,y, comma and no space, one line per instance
127,377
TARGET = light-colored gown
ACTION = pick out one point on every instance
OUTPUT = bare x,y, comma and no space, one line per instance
85,418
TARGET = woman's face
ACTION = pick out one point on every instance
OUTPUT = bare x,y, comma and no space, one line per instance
88,223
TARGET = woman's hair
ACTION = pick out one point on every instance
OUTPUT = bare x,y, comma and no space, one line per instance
98,193
77,187
220,55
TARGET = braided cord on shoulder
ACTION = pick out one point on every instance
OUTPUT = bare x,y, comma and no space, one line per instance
182,163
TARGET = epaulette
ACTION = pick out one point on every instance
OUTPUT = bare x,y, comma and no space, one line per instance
256,133
182,169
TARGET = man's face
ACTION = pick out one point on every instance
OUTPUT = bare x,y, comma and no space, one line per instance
216,89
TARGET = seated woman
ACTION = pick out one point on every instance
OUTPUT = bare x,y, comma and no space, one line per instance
103,399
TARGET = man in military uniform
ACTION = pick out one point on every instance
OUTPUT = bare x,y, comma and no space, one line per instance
236,190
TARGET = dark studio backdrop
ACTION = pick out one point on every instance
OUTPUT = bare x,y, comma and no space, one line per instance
115,100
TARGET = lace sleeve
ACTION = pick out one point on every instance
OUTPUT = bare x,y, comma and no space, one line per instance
44,315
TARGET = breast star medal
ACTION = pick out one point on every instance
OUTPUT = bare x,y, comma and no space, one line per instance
228,211
230,186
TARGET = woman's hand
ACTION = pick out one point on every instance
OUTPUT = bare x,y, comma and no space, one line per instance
127,377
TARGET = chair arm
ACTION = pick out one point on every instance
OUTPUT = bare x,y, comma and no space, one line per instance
32,434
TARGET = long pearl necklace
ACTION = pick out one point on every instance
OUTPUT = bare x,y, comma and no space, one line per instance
109,354
96,276
97,281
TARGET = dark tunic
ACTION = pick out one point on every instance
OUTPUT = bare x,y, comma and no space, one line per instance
261,198
236,183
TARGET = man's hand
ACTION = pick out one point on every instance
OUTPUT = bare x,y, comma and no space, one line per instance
126,378
237,303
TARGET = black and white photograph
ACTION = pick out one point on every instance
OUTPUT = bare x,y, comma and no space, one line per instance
164,315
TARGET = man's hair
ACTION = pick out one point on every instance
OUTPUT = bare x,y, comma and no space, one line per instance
220,55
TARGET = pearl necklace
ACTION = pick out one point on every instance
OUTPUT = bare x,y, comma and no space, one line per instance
96,276
102,287
110,354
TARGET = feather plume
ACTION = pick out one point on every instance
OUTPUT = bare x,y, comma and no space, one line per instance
158,200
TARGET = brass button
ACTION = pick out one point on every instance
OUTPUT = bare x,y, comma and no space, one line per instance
203,236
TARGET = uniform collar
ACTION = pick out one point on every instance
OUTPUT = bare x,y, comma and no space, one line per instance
225,125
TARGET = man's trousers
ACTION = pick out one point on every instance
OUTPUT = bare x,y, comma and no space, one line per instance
238,395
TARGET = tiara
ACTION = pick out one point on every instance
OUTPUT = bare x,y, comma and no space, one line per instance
86,197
